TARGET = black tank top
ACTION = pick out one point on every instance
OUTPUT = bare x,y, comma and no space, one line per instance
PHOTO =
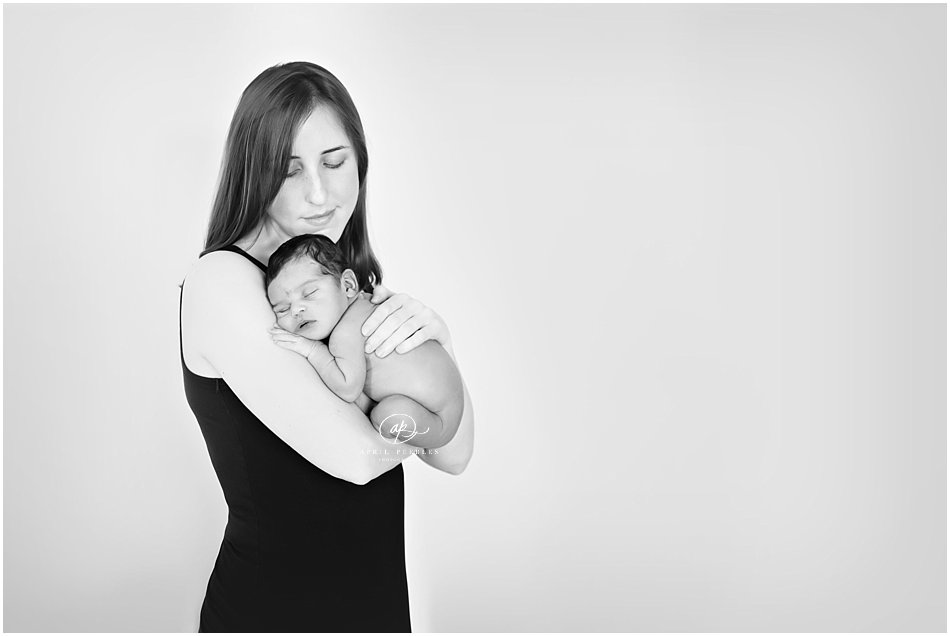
303,551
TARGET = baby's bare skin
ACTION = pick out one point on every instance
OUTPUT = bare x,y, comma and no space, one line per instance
419,392
426,374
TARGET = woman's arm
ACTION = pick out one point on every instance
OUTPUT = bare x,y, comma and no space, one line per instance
228,313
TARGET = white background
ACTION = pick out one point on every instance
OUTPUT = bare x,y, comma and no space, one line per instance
693,259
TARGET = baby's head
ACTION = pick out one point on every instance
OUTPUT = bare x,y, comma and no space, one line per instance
309,286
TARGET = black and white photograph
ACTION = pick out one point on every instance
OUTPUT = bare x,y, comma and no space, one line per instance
475,318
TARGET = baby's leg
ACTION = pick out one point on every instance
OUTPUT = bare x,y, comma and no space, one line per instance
407,421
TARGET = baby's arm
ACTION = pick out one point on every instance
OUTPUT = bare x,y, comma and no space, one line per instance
342,365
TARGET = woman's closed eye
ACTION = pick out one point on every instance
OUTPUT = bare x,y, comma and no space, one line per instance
331,166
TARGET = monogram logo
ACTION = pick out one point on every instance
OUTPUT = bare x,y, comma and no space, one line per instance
400,428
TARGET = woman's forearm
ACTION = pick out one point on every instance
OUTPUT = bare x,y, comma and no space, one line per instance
454,456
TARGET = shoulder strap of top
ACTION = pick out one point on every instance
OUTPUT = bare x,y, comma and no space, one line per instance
238,250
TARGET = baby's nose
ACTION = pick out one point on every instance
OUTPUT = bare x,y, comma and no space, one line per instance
298,310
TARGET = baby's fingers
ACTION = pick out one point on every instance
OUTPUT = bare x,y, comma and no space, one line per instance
285,336
285,343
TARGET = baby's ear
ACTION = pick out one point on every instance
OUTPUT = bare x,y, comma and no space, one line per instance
349,282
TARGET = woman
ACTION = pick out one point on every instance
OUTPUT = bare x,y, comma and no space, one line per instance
314,539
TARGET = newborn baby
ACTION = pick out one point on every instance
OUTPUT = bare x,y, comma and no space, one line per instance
314,295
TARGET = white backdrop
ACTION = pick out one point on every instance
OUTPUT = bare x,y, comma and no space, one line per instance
693,259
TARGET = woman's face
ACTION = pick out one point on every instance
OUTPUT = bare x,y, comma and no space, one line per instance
321,187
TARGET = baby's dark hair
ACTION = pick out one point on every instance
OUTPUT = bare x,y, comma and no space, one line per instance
314,246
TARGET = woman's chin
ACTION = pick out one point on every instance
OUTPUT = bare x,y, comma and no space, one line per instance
331,233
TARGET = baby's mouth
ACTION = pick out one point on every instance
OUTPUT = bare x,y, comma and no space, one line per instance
304,324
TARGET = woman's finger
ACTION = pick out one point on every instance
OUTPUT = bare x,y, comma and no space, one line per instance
389,327
381,313
386,329
402,332
380,293
413,341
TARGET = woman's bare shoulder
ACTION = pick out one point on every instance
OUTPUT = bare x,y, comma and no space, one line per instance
225,284
222,268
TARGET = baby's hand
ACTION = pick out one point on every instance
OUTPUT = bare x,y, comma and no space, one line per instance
287,340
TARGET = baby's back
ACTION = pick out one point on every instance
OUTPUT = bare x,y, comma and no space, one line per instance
420,374
426,374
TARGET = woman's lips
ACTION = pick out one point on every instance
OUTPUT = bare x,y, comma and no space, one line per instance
319,219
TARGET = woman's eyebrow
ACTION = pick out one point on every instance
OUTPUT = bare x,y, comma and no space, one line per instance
325,152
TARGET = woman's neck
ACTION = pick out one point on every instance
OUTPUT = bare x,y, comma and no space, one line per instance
262,241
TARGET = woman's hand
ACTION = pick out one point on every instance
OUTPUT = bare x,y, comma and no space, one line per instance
401,323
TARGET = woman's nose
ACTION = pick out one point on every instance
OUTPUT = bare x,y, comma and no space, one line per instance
316,193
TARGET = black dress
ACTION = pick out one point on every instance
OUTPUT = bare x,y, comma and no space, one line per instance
303,551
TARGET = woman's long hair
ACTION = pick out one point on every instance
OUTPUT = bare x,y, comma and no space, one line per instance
258,150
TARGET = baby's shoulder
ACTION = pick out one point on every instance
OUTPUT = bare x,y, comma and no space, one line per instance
355,315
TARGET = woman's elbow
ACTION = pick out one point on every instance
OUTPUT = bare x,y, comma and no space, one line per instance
358,477
358,474
367,472
361,481
361,478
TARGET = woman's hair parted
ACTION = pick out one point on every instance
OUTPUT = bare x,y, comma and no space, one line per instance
315,247
258,150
